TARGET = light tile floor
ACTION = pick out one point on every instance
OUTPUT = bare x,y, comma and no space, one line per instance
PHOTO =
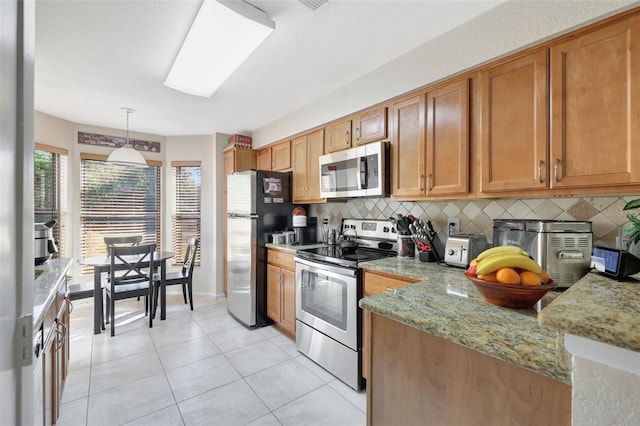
198,367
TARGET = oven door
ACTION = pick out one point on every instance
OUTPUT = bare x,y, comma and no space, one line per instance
326,300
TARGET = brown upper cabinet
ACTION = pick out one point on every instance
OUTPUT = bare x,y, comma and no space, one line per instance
337,136
430,143
306,150
281,156
514,124
263,161
595,107
370,126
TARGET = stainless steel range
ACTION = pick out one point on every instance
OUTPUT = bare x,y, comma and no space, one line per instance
328,287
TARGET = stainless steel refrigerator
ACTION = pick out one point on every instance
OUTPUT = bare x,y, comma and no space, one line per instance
258,204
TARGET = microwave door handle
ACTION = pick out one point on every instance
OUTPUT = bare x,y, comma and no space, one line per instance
364,175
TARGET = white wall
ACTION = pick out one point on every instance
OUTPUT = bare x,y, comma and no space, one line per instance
198,148
504,29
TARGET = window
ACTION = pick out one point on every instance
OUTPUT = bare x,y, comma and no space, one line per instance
117,200
186,207
50,190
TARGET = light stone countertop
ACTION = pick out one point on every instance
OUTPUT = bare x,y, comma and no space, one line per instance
598,308
448,305
51,276
292,248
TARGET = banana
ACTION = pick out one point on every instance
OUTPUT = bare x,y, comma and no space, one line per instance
507,260
501,249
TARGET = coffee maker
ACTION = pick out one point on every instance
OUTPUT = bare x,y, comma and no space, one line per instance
305,229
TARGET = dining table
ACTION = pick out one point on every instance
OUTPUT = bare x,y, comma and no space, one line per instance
102,263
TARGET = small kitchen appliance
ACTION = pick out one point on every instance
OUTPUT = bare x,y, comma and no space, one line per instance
615,263
462,248
328,288
44,246
561,247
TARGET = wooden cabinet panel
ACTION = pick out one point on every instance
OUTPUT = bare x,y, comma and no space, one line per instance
370,126
438,377
281,259
408,147
306,150
288,290
281,156
273,292
263,159
281,290
448,139
338,136
375,283
595,107
514,124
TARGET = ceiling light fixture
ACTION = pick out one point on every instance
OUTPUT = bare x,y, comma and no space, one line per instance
223,34
126,154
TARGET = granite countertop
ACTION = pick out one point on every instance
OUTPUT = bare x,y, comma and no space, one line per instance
444,303
49,277
598,308
292,248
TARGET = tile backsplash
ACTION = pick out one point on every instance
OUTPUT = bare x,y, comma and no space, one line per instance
476,216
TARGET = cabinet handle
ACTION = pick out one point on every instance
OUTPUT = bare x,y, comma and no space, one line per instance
555,170
429,182
540,163
62,334
357,133
70,306
420,183
346,136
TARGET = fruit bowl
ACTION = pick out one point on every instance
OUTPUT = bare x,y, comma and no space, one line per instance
509,295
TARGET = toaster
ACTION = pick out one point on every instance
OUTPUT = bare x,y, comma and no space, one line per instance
462,248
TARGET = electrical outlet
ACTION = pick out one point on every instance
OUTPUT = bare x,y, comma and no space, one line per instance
453,226
325,221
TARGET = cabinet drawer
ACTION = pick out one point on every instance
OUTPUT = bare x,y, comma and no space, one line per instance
374,283
281,258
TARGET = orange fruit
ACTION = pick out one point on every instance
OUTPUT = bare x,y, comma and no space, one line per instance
545,277
473,262
507,276
491,277
529,278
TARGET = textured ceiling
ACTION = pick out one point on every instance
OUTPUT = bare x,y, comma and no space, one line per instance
94,57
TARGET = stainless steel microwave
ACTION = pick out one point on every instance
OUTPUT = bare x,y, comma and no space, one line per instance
356,172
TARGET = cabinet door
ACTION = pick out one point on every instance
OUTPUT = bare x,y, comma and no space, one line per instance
338,136
300,171
263,159
38,391
281,156
315,148
50,395
595,107
371,126
288,306
273,292
448,139
514,125
408,147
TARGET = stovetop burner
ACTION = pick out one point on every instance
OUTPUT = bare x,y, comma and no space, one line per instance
376,239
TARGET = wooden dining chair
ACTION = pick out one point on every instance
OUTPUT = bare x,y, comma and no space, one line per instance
130,275
132,240
184,276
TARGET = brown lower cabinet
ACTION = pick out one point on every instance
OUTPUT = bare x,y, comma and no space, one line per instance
418,378
51,366
281,290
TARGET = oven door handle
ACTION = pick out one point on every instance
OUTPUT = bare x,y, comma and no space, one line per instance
346,272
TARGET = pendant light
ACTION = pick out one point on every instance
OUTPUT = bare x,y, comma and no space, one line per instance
127,155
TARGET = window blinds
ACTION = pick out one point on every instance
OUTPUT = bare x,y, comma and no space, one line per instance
117,200
187,178
50,190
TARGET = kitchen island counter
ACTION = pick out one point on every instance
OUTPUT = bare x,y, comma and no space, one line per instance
447,305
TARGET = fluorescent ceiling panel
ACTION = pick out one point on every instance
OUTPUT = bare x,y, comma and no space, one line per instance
223,34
